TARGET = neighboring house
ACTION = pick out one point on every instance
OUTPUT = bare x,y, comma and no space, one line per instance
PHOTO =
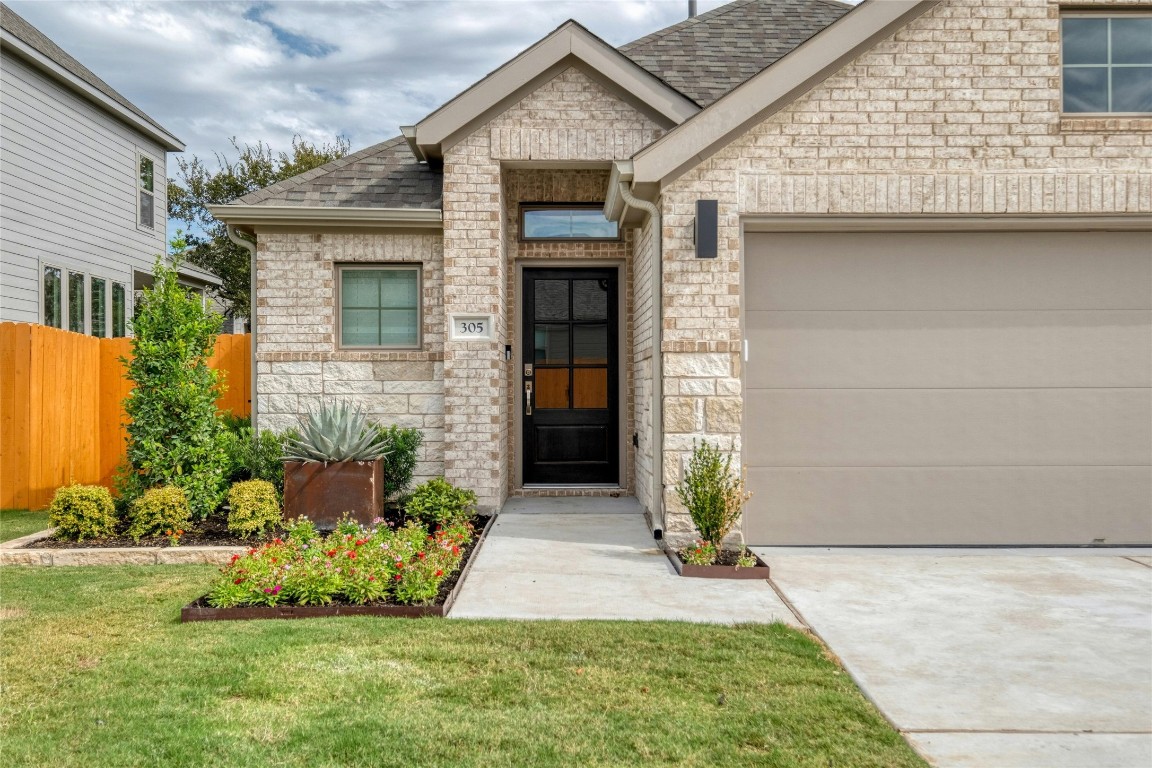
897,256
83,182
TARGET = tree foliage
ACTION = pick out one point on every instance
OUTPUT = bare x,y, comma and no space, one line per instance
197,186
174,435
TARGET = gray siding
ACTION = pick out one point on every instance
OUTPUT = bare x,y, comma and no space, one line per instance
68,190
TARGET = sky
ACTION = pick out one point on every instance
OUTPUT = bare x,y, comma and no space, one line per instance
268,71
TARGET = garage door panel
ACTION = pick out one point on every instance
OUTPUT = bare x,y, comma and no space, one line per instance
920,349
948,427
953,505
1003,271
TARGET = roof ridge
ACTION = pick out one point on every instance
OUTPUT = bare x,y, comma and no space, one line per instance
292,182
685,23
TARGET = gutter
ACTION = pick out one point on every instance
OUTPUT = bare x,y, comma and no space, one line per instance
247,216
249,246
622,176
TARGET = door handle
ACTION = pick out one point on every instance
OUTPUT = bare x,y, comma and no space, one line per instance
527,398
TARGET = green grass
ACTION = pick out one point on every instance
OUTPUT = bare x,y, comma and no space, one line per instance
97,670
15,523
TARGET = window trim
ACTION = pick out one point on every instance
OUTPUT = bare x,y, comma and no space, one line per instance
410,266
526,207
1106,13
138,186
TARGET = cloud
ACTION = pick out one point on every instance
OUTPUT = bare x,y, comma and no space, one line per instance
266,71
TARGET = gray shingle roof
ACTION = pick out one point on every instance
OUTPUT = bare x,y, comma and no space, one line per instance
385,175
709,55
15,25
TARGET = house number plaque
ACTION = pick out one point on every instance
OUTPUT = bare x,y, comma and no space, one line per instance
471,327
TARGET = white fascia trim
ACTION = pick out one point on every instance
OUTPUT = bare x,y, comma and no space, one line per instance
569,40
248,216
66,78
771,90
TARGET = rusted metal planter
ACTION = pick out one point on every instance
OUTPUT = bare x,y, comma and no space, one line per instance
758,571
323,492
199,610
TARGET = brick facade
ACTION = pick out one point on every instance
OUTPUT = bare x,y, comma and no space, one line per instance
957,113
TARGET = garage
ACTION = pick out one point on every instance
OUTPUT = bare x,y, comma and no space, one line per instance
948,388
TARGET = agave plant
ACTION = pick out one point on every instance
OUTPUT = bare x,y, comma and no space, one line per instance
337,432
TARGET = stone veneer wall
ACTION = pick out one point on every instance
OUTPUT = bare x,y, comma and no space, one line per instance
298,362
569,119
568,186
957,113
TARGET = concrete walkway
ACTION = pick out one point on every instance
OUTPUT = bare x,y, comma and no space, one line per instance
589,558
1026,658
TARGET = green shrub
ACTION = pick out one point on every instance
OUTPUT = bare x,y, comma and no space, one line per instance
255,507
174,434
82,512
158,511
713,494
439,502
252,457
400,461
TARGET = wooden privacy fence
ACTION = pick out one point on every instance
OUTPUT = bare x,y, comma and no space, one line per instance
61,407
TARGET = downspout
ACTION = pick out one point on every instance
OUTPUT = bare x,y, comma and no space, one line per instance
657,354
249,246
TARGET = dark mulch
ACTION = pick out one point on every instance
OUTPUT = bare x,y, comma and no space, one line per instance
212,532
726,557
446,586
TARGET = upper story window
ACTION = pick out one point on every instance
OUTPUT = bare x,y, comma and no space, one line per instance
147,193
379,306
566,222
1107,63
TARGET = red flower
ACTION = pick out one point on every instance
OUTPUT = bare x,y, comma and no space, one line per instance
235,558
399,564
397,577
439,573
331,553
352,555
274,541
238,581
420,555
371,578
455,549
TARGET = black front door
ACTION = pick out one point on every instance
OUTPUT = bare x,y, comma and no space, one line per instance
569,377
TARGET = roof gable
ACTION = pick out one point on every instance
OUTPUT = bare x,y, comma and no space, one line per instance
570,45
706,56
793,75
32,45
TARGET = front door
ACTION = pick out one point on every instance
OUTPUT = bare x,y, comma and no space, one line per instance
569,377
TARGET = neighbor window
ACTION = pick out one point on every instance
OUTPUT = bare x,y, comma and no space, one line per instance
147,193
53,297
1107,63
379,306
566,222
99,321
119,311
76,302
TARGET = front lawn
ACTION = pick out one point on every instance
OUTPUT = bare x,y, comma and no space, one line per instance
97,670
15,523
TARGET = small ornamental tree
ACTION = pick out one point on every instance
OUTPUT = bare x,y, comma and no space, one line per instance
175,436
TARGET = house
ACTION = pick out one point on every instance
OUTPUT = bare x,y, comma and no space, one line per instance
897,256
82,188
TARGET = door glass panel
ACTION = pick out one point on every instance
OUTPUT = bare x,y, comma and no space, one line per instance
590,344
589,300
590,387
551,388
551,299
551,344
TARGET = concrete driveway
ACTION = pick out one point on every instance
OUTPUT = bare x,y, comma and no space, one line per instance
1021,659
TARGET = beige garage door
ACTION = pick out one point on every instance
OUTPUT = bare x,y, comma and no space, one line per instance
961,388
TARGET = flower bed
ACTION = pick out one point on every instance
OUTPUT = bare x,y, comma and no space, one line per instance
382,571
718,571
